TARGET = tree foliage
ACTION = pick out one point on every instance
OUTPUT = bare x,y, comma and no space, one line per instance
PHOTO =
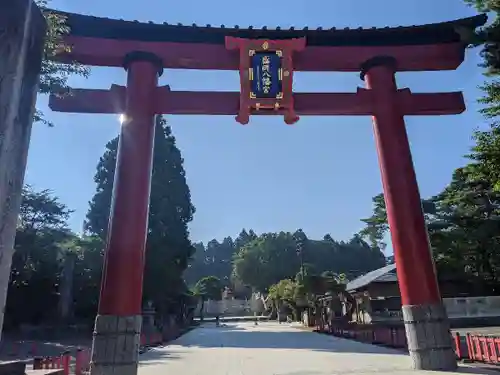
258,261
303,291
463,222
485,155
216,259
209,287
35,263
376,225
42,242
168,246
54,74
284,291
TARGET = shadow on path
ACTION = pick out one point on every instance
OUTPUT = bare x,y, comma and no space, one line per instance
11,349
265,337
158,356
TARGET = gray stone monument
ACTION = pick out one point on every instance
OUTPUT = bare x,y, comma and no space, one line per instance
66,288
22,31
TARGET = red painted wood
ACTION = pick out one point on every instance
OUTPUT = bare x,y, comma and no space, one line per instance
110,52
227,103
121,287
415,268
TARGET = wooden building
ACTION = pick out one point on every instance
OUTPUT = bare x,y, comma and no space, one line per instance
378,299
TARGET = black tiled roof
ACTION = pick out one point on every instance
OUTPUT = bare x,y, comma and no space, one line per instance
445,32
380,275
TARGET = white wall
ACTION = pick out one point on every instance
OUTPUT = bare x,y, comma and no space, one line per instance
233,307
459,307
473,307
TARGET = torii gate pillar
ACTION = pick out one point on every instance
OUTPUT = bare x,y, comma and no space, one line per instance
115,348
425,319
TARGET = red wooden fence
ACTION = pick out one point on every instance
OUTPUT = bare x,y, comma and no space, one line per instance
64,361
82,358
483,348
469,347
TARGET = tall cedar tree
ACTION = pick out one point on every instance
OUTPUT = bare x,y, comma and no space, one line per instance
168,244
486,151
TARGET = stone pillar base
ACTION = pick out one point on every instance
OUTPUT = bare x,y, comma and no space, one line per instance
115,347
429,338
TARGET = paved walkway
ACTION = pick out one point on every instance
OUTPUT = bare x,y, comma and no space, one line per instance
234,318
273,349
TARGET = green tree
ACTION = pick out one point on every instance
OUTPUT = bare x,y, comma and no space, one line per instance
273,257
89,252
168,244
209,287
219,259
35,271
376,226
43,241
485,154
216,258
284,294
266,260
488,36
198,266
244,238
463,225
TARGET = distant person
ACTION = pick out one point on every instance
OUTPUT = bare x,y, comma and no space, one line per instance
217,321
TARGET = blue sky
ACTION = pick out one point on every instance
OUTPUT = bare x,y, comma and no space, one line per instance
319,174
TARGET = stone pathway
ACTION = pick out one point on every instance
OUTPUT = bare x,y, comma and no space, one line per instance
273,349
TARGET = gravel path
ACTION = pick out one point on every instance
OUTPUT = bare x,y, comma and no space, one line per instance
273,349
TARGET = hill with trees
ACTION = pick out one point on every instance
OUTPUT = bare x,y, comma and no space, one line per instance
259,261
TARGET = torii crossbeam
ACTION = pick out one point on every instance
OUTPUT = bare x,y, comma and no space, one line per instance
360,103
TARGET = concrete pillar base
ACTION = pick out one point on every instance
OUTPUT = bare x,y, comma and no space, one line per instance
429,338
115,347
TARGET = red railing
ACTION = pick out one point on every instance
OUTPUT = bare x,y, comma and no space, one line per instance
79,364
469,347
394,337
483,348
58,362
64,362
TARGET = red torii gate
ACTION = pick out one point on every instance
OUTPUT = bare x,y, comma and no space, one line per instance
271,56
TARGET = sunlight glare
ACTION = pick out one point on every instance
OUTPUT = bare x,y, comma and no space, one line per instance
121,118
